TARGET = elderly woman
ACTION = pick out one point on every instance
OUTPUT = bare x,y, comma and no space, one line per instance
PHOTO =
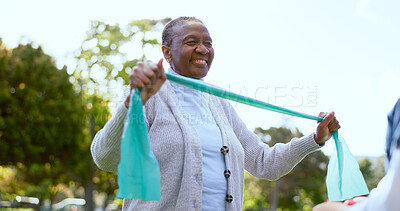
201,144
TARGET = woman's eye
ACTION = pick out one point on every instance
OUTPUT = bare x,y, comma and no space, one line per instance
208,44
191,43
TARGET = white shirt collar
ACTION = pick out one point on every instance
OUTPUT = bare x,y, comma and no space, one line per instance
183,90
172,72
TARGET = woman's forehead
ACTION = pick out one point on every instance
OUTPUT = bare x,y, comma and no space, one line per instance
190,29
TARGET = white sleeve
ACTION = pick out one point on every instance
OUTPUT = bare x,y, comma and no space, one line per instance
386,196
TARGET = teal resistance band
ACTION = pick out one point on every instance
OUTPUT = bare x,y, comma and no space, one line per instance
138,165
219,92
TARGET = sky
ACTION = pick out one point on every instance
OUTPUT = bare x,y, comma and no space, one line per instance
308,55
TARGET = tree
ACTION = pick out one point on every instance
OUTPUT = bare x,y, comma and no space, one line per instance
104,62
372,173
10,183
85,173
303,187
110,51
41,116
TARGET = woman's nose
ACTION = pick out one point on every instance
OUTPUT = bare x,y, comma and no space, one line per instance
202,49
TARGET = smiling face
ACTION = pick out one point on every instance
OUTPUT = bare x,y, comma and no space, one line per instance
190,53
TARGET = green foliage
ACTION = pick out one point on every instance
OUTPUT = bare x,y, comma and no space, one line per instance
103,59
41,120
11,183
96,115
40,112
301,189
47,123
372,173
103,66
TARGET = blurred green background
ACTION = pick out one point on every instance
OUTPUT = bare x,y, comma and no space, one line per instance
49,118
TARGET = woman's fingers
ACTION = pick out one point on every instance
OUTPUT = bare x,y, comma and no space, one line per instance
328,124
331,123
150,71
144,75
161,77
148,77
322,114
327,118
160,67
138,78
334,125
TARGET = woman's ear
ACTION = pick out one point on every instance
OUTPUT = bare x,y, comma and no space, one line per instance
167,53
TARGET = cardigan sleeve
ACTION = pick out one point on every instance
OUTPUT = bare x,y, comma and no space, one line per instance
262,160
106,145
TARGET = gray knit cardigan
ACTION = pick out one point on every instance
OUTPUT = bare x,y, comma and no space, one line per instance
176,146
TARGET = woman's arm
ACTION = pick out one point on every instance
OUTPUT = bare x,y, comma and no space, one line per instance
262,160
106,145
148,77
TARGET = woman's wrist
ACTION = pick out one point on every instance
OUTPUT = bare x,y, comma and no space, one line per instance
320,143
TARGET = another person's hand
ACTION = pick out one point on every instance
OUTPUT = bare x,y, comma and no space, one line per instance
331,206
354,200
326,127
338,206
148,77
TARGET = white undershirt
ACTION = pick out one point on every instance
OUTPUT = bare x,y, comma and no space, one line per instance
196,108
